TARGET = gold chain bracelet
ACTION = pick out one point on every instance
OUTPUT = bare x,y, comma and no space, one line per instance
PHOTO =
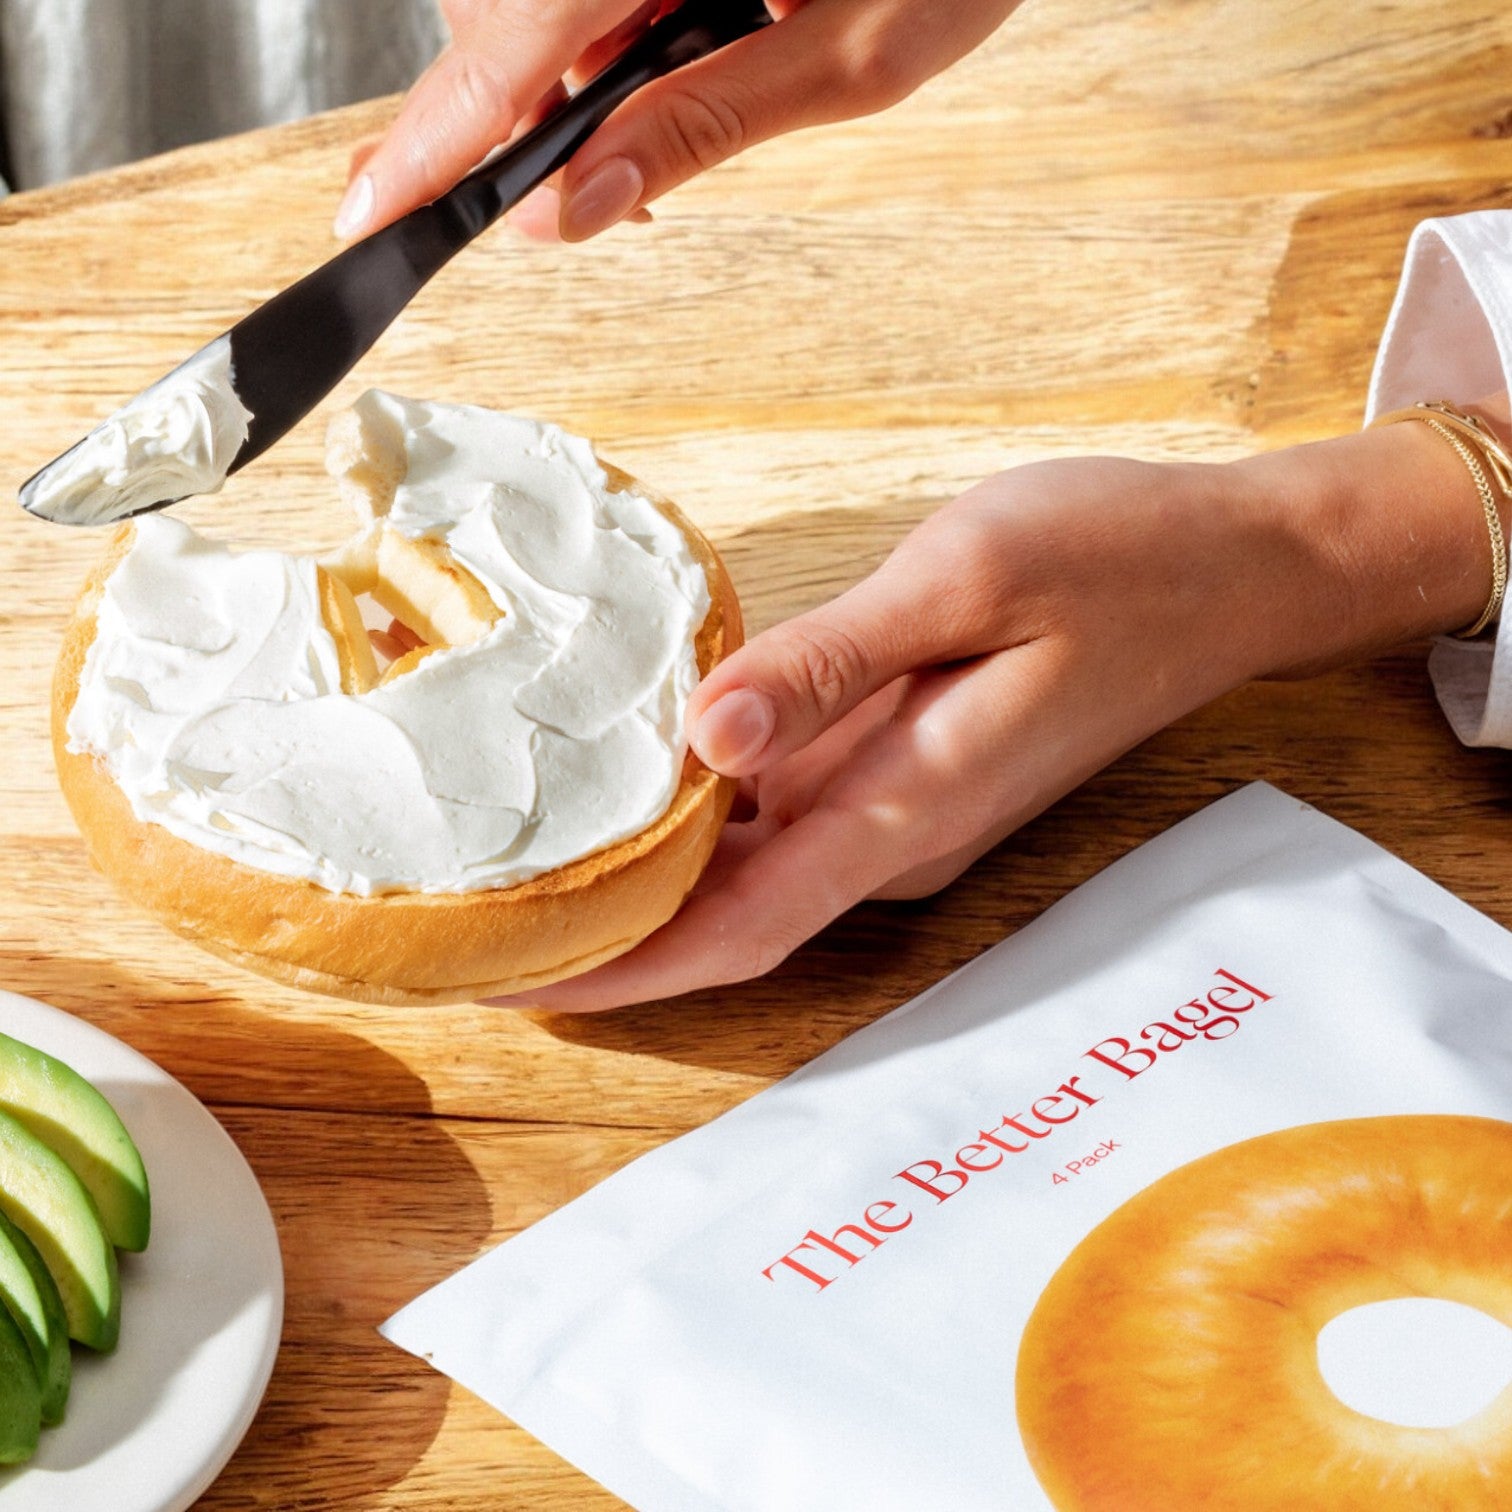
1485,458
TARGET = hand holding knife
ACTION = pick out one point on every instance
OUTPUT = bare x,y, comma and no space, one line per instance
246,389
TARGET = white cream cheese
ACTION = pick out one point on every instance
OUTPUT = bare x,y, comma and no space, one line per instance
212,689
177,438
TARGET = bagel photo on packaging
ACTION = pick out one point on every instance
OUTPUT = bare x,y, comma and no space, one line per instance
508,803
1177,1345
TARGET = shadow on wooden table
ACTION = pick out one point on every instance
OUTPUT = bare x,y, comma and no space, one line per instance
370,1211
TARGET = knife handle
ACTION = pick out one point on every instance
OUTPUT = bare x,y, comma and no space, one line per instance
694,30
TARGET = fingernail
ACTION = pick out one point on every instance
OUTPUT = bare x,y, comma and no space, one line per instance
356,208
607,195
735,730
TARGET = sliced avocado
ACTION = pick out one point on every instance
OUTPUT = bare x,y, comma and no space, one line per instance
34,1293
40,1194
20,1296
20,1395
67,1113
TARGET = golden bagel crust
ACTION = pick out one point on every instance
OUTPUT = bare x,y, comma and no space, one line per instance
403,947
1171,1363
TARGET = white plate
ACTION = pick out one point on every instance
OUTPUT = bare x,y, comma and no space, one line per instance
150,1425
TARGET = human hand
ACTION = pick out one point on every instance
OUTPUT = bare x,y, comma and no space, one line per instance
1019,640
510,60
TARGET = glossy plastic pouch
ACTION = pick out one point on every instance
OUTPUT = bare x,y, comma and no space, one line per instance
1194,1193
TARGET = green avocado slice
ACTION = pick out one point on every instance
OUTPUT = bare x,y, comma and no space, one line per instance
20,1295
64,1111
20,1395
40,1194
29,1291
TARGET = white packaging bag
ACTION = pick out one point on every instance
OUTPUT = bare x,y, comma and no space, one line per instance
821,1299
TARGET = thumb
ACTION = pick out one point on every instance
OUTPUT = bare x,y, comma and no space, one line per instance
788,685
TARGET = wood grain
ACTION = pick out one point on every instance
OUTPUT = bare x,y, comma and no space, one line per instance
1161,227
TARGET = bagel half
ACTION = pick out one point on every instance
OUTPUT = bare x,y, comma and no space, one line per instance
403,947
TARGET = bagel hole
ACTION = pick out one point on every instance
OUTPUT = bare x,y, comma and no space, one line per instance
1417,1362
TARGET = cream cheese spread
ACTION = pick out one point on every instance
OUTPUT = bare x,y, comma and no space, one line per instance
177,438
212,689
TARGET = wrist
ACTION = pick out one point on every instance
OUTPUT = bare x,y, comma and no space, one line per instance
1376,539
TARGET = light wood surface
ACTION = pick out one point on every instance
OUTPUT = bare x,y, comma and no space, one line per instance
1167,229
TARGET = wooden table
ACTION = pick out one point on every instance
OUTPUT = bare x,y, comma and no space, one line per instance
1163,227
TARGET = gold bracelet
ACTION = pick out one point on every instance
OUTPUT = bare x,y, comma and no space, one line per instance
1464,432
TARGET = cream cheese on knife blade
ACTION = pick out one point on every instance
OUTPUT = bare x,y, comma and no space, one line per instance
177,438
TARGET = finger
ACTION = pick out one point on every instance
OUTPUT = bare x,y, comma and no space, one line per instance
777,885
502,58
554,97
1028,744
360,155
703,114
828,60
604,50
388,646
538,215
404,635
792,787
737,842
777,896
929,603
772,885
1006,737
936,874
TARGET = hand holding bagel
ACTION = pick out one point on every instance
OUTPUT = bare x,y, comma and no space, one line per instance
1017,641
